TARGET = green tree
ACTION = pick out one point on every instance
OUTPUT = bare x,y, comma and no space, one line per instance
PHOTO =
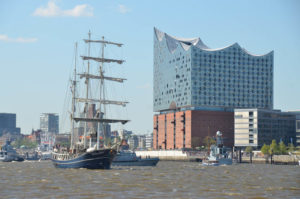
291,147
265,149
282,148
249,149
274,148
24,142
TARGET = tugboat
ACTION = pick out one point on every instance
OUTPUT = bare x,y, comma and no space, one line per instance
80,154
9,154
218,154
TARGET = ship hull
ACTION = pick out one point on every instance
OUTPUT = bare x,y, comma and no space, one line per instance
139,162
99,159
221,161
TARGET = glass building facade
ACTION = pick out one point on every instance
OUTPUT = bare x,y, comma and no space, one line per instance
255,127
8,124
49,122
188,74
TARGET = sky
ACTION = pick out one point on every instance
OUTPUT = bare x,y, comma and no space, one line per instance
37,47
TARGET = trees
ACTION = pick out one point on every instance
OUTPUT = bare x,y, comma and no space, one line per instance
265,149
249,149
24,142
282,148
274,148
291,147
208,141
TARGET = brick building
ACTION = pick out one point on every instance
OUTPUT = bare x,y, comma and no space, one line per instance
187,129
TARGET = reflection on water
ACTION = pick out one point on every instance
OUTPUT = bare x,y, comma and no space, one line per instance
167,179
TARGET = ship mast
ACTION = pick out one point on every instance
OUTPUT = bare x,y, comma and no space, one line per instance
100,117
73,99
101,90
86,107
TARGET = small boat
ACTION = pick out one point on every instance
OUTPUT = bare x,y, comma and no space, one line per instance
9,154
32,156
46,155
129,158
81,154
218,154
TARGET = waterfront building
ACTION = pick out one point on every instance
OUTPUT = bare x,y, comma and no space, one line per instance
47,140
255,127
297,115
187,129
8,124
203,84
149,141
141,141
189,74
133,142
49,122
124,134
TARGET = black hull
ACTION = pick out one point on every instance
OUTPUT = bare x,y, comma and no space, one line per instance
140,162
99,159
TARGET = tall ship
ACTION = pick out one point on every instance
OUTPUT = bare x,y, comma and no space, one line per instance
88,127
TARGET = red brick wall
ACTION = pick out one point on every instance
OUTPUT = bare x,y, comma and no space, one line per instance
188,129
161,131
170,131
155,131
179,130
196,126
207,123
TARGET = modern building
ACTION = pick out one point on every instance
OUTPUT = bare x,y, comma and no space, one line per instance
297,115
201,83
149,141
141,141
8,124
255,127
187,73
133,142
49,122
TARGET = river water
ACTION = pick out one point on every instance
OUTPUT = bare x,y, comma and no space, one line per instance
166,180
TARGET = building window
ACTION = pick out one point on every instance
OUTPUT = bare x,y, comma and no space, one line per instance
298,125
250,114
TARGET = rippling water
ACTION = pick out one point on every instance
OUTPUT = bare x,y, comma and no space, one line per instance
166,180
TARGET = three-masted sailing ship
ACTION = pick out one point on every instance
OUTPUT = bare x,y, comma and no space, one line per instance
87,152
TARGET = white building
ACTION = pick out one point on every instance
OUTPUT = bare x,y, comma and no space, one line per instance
255,127
149,141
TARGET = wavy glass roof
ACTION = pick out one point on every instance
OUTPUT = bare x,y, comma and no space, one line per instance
186,43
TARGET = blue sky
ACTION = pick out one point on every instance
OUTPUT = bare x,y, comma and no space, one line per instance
37,47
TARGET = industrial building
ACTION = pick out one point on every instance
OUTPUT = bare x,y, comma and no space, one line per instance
196,89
